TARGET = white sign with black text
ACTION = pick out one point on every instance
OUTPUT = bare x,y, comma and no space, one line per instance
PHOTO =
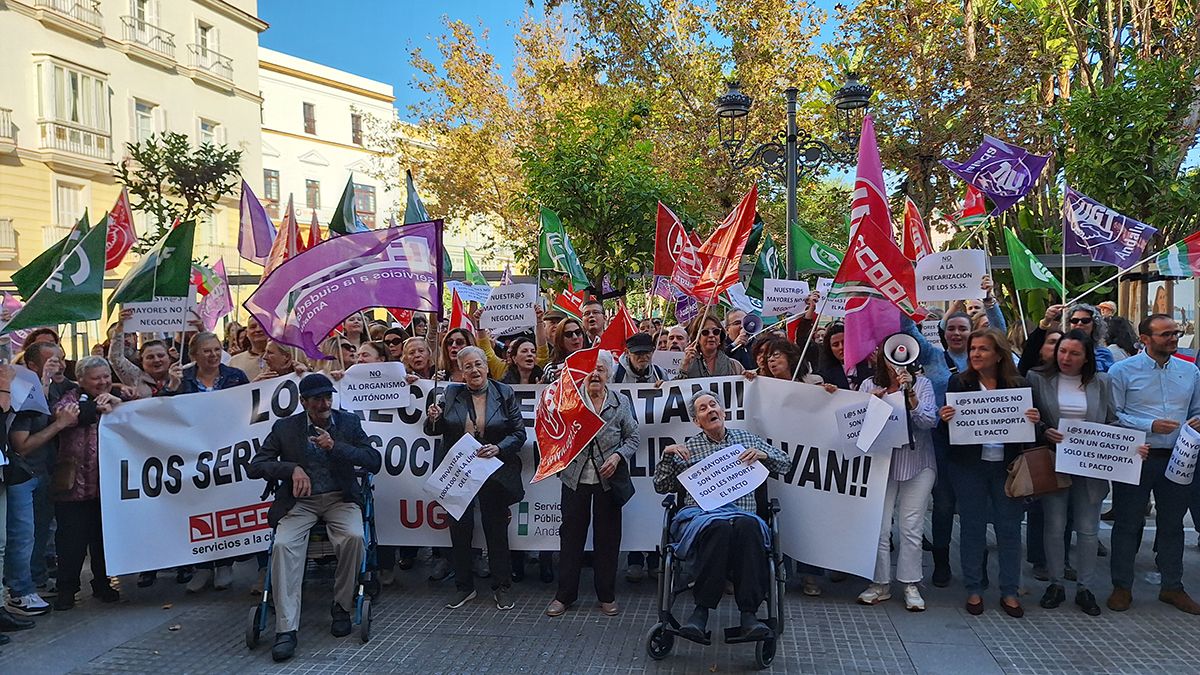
374,386
668,361
722,478
859,430
983,417
160,315
834,305
784,296
951,275
456,481
1099,451
1181,468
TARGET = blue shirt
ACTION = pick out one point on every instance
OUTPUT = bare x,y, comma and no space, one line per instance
318,463
933,357
1144,391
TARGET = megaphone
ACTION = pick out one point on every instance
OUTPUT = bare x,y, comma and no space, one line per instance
752,323
901,349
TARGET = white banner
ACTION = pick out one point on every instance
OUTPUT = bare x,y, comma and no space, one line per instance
192,494
722,478
784,296
990,416
510,309
1099,451
1181,468
160,315
374,386
835,305
951,275
458,478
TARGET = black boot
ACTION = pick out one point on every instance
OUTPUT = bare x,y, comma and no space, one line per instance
984,576
1054,596
941,567
696,628
10,623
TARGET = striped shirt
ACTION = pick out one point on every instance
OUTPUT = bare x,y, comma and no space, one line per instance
666,474
912,459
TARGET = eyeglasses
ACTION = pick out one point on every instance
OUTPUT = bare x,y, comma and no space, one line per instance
393,342
711,332
458,342
1080,320
568,334
1168,334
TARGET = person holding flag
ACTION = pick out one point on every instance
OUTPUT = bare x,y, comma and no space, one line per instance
1082,317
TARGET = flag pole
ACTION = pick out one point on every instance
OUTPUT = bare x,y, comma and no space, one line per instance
1020,312
812,329
1113,277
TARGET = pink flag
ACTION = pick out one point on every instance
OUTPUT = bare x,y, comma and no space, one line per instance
218,302
255,231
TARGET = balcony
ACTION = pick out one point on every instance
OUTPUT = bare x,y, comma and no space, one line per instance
75,149
8,140
147,41
8,240
79,17
52,234
211,67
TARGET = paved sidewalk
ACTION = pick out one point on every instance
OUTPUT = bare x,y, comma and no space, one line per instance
414,634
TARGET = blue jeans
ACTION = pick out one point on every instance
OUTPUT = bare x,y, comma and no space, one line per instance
1171,501
979,487
19,553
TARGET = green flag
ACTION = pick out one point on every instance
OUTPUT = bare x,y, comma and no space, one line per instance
73,290
30,278
768,266
345,218
1029,272
556,253
164,271
414,212
471,270
756,233
811,256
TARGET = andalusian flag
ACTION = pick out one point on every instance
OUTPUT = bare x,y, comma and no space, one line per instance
345,219
556,253
30,278
473,274
72,291
811,256
768,266
1181,259
1028,271
165,271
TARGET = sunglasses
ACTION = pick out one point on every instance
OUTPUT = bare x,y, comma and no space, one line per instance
568,334
393,342
1080,320
348,346
457,343
711,332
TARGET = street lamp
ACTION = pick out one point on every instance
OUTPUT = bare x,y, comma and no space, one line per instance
791,151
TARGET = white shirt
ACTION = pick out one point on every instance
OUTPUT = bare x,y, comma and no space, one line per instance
1072,399
991,452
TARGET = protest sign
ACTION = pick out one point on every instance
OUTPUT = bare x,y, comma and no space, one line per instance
990,416
470,293
510,309
881,434
951,275
835,303
455,482
668,361
26,392
1181,468
1099,451
160,315
374,386
722,478
738,299
930,329
784,296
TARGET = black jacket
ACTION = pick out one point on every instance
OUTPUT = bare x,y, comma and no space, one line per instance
283,450
969,454
503,427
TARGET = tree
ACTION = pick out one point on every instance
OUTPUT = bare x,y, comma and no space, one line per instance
169,179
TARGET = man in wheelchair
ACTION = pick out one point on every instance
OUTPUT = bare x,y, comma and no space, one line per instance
313,455
730,542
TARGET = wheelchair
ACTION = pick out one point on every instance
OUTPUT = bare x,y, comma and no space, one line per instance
673,581
319,548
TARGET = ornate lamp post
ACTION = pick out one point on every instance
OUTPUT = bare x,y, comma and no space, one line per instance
791,151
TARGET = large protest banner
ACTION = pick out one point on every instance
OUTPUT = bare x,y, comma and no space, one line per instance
192,496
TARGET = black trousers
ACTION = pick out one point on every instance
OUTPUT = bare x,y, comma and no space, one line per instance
79,533
494,515
589,504
731,549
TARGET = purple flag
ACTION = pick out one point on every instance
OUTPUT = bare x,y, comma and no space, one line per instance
662,288
218,302
1003,172
255,231
1104,235
310,294
686,309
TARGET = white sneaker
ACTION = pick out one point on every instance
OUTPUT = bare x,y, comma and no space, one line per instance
875,594
200,579
913,601
28,605
224,577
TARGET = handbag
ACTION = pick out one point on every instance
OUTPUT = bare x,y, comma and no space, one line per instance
17,470
1032,474
63,479
621,484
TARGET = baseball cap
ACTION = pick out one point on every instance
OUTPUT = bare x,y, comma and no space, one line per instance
315,384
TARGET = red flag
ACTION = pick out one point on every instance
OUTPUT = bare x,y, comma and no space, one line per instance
287,241
458,316
563,423
722,251
620,329
121,234
314,232
974,205
403,316
670,236
570,302
916,240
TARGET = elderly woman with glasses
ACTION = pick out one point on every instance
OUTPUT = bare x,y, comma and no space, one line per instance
1080,316
705,357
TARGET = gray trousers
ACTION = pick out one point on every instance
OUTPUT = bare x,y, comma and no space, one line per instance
343,523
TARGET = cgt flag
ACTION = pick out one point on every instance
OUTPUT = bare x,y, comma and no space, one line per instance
1104,235
916,239
563,423
72,292
1003,172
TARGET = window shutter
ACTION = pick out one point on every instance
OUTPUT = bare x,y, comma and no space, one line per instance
160,119
132,110
221,134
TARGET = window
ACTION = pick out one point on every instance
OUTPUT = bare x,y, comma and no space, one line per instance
69,203
206,37
143,120
312,193
356,129
209,232
67,95
310,118
364,203
271,191
209,132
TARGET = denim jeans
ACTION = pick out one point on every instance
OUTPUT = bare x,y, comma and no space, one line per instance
19,552
1085,496
43,517
979,488
1171,501
943,498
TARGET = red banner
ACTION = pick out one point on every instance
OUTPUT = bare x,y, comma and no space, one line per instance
620,329
563,423
120,232
916,240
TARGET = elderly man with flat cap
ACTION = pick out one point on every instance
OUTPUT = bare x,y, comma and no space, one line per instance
313,454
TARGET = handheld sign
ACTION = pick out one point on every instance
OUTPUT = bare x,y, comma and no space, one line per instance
784,296
1099,451
720,478
160,315
468,293
1181,468
951,275
835,303
668,361
375,386
456,481
510,309
930,328
990,416
862,429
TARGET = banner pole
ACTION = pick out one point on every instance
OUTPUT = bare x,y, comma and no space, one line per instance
1112,278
